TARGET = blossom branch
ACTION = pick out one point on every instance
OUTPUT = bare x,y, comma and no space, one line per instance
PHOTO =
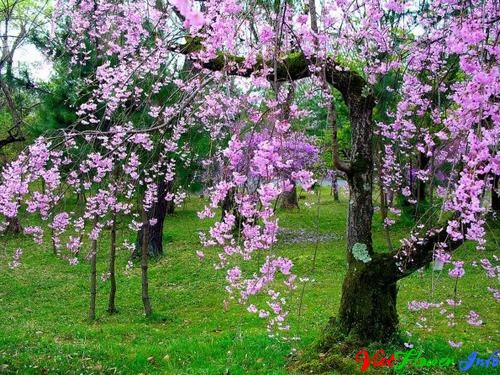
418,252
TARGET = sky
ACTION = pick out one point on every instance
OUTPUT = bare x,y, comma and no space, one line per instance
39,67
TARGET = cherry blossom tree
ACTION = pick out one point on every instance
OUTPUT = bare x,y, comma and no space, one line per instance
339,46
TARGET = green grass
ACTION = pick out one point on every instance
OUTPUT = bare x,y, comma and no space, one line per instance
43,326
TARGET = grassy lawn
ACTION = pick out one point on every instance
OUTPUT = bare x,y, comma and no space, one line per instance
43,326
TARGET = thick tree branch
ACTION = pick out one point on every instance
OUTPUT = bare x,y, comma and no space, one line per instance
414,255
11,139
15,132
294,66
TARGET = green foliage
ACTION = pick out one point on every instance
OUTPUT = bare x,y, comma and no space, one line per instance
320,128
55,111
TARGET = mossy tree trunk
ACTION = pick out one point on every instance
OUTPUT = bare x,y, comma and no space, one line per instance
367,310
368,304
368,307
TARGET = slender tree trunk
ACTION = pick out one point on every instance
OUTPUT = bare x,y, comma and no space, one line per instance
423,163
335,186
144,265
495,197
228,205
162,208
158,211
112,276
420,186
93,278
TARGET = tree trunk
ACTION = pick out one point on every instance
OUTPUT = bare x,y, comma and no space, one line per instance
335,186
495,197
14,226
144,265
229,205
289,199
163,207
112,276
367,310
158,211
420,186
362,315
93,278
368,306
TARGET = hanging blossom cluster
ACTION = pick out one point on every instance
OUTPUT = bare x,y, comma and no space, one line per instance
257,168
109,179
446,118
435,113
457,271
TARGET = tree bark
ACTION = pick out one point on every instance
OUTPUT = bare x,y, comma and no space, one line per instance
362,316
144,265
368,306
228,205
158,211
335,186
93,278
162,208
420,186
289,199
14,226
112,277
495,197
420,189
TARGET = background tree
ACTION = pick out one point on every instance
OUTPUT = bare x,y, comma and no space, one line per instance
19,93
